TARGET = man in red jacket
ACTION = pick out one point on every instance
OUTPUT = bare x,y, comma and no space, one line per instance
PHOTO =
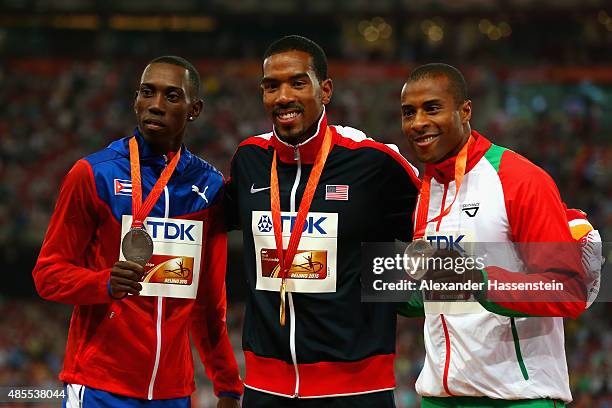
128,343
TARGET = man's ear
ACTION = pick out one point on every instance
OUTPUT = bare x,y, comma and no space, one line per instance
466,111
327,88
196,109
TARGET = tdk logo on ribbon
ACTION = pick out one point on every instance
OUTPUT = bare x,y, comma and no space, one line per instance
312,225
446,242
171,230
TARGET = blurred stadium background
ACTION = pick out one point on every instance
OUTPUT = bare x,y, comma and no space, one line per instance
539,73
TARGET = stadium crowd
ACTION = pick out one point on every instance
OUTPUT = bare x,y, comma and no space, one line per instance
54,112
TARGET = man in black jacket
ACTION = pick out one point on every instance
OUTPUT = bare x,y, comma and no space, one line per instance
306,195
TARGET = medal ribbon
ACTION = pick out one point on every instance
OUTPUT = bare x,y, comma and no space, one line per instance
423,209
285,258
140,211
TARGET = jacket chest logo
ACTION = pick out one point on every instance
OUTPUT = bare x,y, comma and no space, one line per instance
202,194
471,209
338,192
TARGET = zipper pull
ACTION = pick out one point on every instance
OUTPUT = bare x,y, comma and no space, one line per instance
296,153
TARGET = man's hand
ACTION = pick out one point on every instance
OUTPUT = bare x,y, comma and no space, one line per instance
228,402
445,271
125,278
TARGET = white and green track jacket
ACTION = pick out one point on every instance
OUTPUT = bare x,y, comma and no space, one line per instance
502,349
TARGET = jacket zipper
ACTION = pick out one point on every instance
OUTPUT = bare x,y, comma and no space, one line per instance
160,308
298,175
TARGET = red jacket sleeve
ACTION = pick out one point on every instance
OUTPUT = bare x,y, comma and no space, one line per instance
537,215
60,273
208,324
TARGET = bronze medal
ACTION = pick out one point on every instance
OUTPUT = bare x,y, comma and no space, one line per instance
418,252
137,246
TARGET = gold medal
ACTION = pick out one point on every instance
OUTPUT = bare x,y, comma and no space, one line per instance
283,290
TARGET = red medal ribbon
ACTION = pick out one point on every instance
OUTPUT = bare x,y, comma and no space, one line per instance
423,209
140,211
285,258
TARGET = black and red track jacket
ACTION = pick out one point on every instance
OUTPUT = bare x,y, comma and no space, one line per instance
332,343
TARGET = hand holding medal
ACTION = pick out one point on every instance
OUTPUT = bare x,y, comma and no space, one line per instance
125,279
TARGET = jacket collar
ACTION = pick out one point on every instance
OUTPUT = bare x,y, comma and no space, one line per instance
147,157
444,172
308,149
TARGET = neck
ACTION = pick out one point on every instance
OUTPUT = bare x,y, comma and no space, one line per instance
302,137
294,141
457,149
163,147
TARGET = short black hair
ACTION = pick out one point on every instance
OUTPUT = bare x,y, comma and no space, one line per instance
457,85
299,43
194,75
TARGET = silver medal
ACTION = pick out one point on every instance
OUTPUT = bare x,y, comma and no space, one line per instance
137,246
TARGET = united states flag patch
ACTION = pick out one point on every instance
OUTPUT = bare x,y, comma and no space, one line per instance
336,192
123,187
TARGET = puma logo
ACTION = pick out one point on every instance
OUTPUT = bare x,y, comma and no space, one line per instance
202,194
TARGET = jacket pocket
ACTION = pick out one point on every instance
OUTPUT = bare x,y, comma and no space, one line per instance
517,349
101,328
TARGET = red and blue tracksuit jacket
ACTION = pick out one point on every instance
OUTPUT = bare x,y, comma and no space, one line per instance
138,346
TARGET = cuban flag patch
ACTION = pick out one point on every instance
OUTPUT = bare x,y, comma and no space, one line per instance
337,192
123,187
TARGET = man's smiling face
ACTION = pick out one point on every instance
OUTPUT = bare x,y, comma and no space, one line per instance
293,96
433,120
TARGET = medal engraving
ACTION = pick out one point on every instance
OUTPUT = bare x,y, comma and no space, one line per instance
418,252
137,246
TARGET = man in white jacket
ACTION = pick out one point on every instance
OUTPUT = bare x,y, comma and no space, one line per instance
505,349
